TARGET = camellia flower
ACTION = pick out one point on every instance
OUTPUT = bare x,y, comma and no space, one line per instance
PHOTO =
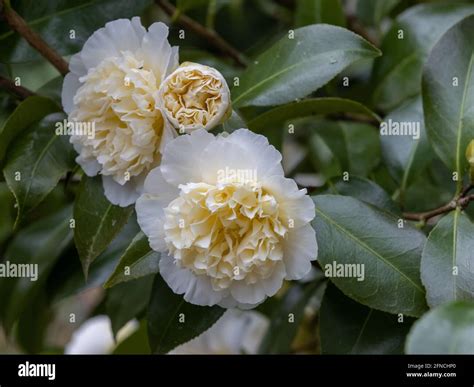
235,333
113,84
230,226
195,96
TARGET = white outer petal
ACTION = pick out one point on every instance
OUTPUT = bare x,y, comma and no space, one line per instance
118,35
156,41
70,85
150,218
300,248
197,290
181,157
122,195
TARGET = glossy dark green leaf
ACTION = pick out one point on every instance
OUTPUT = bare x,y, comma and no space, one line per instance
406,156
364,190
287,316
447,269
28,112
371,12
448,329
381,261
319,11
54,20
172,321
397,73
138,260
39,244
300,64
347,327
356,145
97,220
68,274
305,108
448,95
36,161
127,300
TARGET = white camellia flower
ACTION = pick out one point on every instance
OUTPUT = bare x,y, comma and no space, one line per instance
236,332
113,84
195,96
230,225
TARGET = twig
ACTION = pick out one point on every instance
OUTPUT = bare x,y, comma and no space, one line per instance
209,35
20,91
18,24
462,201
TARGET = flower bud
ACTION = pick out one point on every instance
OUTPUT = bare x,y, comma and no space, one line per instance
195,96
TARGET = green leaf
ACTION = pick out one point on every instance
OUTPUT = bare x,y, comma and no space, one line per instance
319,11
138,260
97,220
372,12
397,73
55,19
33,323
448,109
7,210
406,157
308,107
448,329
172,321
366,331
127,300
28,112
446,264
39,244
69,278
364,190
36,161
281,332
352,232
294,68
349,142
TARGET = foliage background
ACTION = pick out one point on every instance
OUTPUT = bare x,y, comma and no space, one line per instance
294,91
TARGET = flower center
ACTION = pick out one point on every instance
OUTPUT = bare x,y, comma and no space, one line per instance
229,232
118,96
193,98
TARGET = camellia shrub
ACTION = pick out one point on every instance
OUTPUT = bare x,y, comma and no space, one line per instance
237,176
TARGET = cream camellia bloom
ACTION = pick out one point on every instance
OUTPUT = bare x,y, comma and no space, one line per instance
236,332
230,226
195,96
113,85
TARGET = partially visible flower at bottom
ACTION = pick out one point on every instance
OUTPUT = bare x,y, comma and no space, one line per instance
230,225
236,332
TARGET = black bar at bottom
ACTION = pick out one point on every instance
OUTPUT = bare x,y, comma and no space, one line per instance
38,370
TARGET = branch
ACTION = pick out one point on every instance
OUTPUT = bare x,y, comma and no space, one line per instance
207,34
462,201
20,91
18,24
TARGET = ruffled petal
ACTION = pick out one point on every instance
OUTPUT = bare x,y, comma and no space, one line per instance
196,289
121,195
150,218
300,248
